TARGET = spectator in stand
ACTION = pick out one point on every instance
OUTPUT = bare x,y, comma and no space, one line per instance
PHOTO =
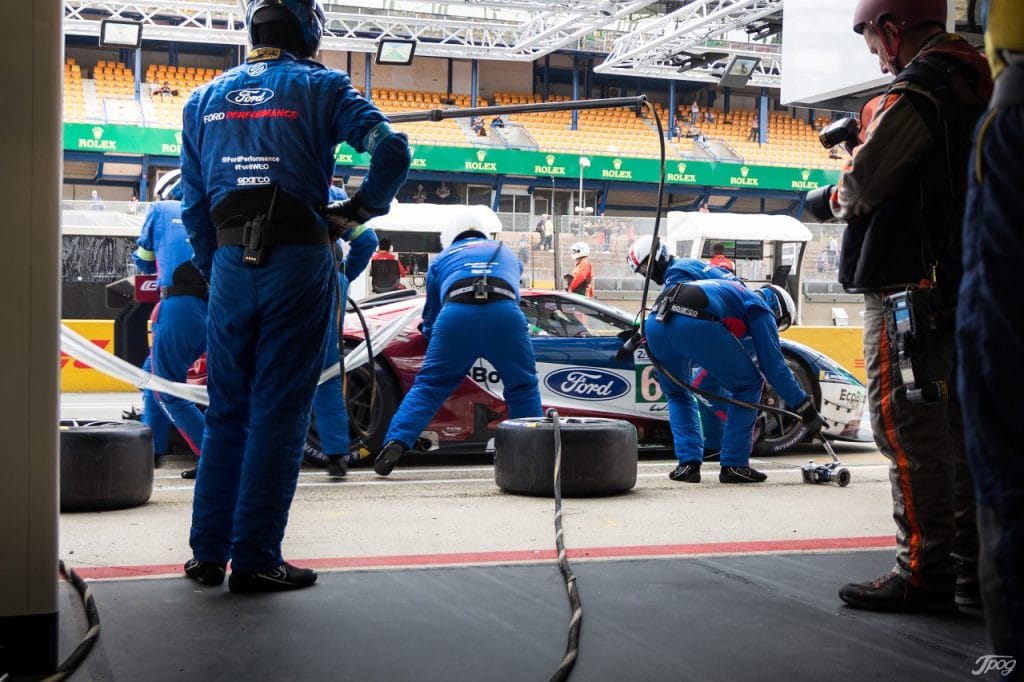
443,191
720,260
384,253
755,129
133,204
420,195
709,115
547,232
694,113
496,122
477,124
95,202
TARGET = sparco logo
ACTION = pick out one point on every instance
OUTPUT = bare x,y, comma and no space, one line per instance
586,384
250,97
254,180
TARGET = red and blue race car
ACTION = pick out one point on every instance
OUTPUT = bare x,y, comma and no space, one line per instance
575,340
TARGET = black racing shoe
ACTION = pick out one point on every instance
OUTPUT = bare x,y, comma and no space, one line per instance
205,572
278,579
688,472
741,475
892,593
189,474
336,467
388,457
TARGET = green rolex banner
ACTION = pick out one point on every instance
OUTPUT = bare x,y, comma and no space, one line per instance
126,139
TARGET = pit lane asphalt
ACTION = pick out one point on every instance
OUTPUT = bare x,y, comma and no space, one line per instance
454,513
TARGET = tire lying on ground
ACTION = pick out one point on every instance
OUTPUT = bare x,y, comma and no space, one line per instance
105,465
599,456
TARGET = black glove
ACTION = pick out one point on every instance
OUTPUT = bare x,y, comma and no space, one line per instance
819,203
810,416
351,212
625,354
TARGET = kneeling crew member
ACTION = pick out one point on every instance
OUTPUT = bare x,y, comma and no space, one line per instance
472,311
705,322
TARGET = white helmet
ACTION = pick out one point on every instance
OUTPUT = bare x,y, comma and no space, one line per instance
580,250
781,304
639,253
169,185
465,219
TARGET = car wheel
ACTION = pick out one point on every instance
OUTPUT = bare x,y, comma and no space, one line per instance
368,420
776,433
105,465
599,456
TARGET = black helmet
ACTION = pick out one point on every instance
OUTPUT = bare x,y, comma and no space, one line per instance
305,17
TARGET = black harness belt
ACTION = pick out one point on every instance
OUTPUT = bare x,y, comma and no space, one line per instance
184,290
683,299
258,219
480,290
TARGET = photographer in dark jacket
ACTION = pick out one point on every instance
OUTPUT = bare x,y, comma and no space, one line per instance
902,195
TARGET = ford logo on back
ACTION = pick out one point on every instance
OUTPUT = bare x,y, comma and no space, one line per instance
586,383
250,97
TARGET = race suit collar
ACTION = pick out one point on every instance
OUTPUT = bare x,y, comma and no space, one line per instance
263,53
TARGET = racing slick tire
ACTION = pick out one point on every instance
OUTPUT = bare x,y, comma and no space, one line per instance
599,456
368,419
775,434
105,465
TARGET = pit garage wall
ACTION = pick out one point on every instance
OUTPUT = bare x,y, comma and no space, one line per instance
842,344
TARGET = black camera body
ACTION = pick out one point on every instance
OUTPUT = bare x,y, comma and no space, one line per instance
910,319
845,131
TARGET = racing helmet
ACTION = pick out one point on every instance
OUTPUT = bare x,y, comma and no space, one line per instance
168,187
580,250
305,17
781,304
466,222
905,13
639,254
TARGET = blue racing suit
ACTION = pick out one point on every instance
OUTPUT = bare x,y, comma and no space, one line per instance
459,330
154,416
179,319
712,412
730,314
265,133
329,406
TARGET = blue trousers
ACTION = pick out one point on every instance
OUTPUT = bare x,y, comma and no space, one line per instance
463,332
153,416
712,412
329,403
265,353
179,339
681,342
990,317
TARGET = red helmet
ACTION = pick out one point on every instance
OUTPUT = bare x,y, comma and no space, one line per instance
905,13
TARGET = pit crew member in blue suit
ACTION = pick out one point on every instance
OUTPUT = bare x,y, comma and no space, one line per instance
712,412
704,322
257,162
472,311
329,406
179,319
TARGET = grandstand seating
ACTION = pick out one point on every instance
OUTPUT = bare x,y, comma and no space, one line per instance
619,132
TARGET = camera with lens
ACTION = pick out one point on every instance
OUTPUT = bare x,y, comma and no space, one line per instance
845,131
910,319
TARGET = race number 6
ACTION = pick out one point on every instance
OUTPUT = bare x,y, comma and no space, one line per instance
650,389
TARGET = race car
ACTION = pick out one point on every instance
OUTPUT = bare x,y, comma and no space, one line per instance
575,341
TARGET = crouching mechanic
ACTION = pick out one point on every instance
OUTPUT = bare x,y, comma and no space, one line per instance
179,319
329,406
257,161
705,322
472,311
